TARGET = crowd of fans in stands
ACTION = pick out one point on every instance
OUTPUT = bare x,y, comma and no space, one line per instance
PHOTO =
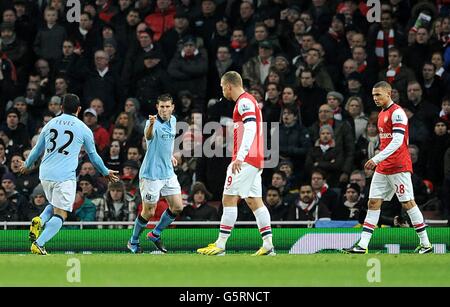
310,64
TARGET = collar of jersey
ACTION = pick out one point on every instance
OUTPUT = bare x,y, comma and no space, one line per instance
160,119
389,106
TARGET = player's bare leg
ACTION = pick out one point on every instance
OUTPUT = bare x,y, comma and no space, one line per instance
227,222
419,226
370,222
148,211
175,208
262,217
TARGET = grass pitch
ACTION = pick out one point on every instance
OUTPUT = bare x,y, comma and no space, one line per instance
191,270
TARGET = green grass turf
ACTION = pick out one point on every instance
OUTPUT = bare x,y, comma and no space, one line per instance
231,270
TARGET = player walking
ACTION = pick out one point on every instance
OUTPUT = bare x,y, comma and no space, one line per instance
243,179
393,170
62,139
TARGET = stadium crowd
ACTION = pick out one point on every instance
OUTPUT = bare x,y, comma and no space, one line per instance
311,65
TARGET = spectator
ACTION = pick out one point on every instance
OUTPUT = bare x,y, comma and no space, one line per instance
383,36
55,106
334,100
397,74
16,131
275,205
162,19
49,39
198,208
435,148
220,37
206,20
134,153
315,62
326,156
418,132
239,46
367,144
115,59
86,36
150,82
87,168
116,207
358,119
311,97
89,191
15,49
104,84
133,106
308,206
351,204
8,210
256,70
98,105
295,140
113,156
432,85
188,69
37,203
322,191
125,119
171,38
343,136
101,136
17,201
424,110
26,118
25,183
444,114
222,63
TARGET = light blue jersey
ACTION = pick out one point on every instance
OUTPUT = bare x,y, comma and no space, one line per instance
60,141
157,164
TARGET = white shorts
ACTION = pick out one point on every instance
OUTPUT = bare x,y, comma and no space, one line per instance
60,194
246,183
385,186
151,189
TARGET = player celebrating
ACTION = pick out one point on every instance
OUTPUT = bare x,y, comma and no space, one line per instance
243,177
157,175
62,139
393,170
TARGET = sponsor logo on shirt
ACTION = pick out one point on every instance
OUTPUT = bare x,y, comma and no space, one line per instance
385,135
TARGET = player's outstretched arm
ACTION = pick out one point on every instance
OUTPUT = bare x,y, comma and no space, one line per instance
89,146
149,129
35,153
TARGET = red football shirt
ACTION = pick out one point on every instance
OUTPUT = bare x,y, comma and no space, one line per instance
246,109
394,119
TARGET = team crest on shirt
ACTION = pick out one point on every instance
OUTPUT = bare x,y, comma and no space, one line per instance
245,107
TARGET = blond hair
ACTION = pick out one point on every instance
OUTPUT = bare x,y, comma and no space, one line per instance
233,78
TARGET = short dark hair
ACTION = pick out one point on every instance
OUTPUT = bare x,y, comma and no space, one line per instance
272,188
282,174
164,97
70,103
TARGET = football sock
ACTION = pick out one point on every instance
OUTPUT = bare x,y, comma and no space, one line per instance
46,214
369,225
417,220
166,219
227,222
139,225
262,216
51,229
